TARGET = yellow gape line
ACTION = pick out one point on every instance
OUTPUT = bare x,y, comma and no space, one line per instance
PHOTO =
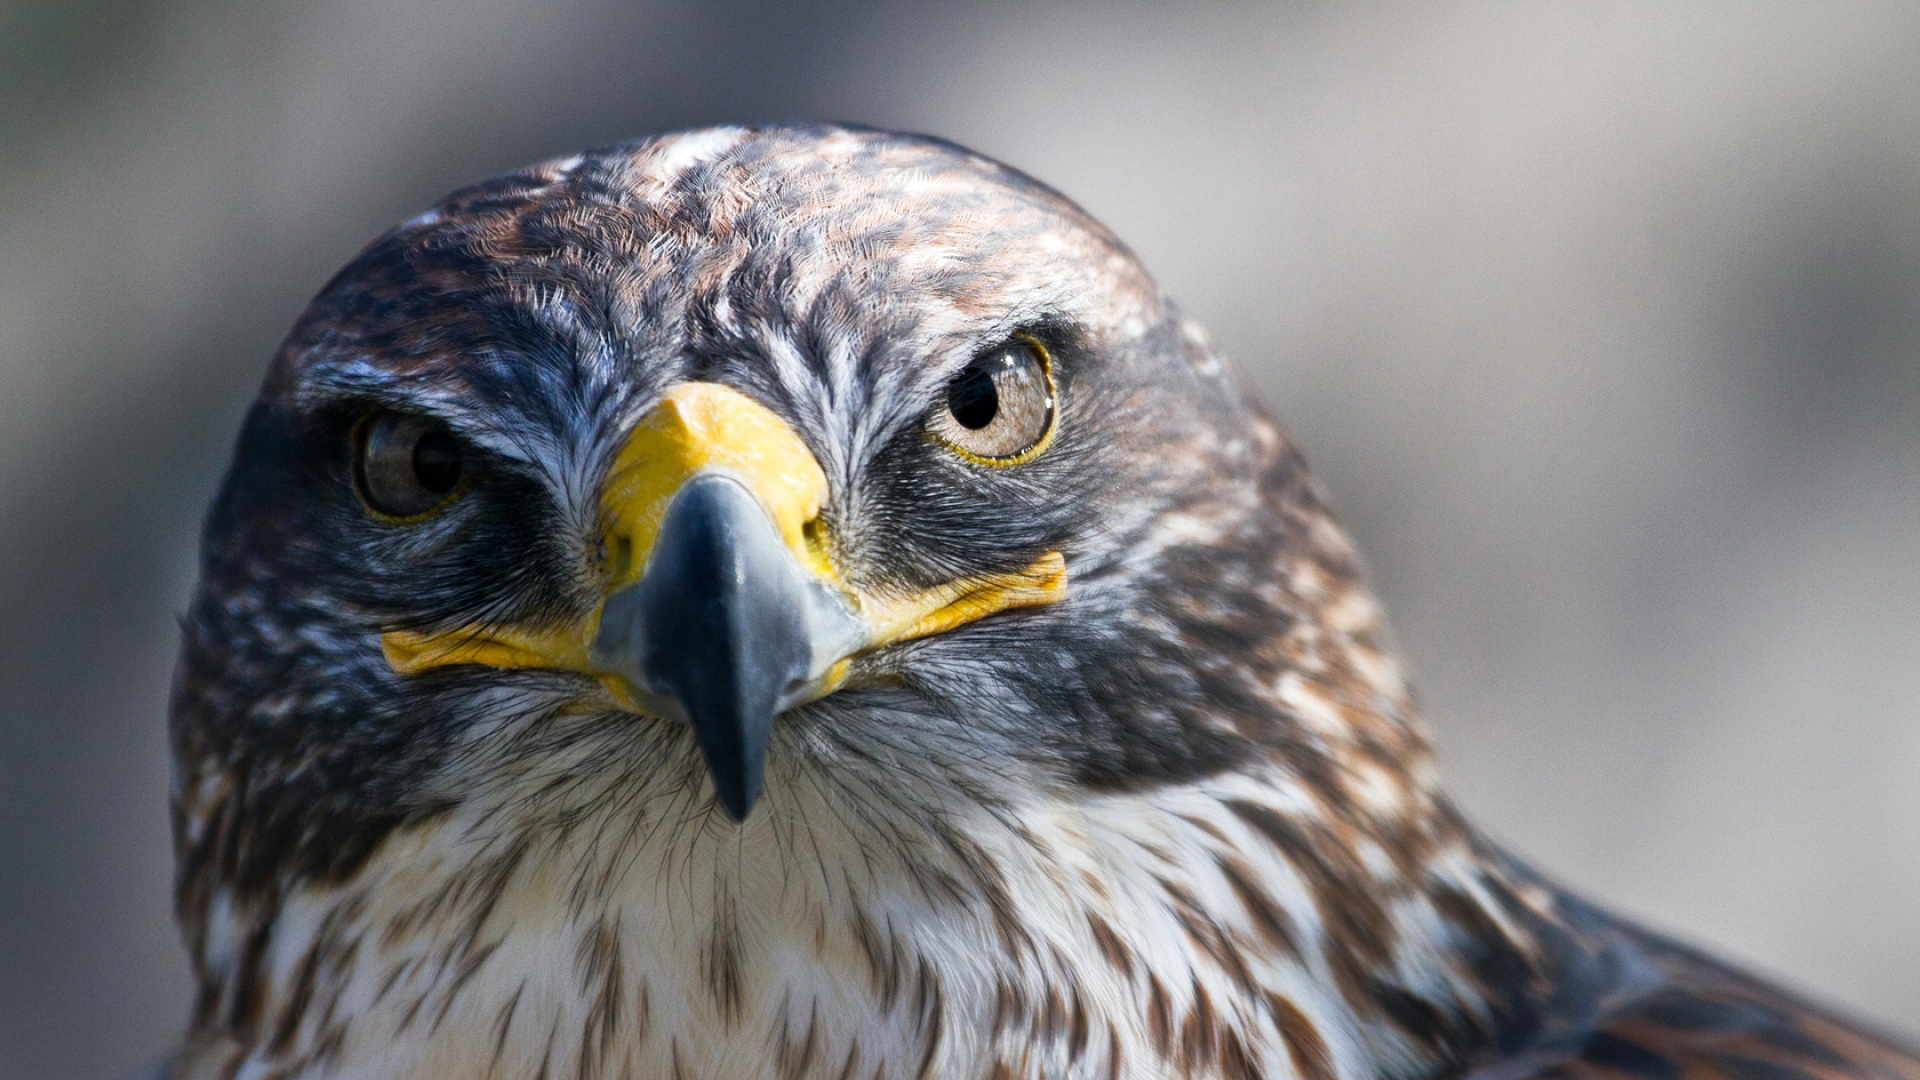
957,603
701,429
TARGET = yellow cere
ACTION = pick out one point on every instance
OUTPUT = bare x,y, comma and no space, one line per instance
700,426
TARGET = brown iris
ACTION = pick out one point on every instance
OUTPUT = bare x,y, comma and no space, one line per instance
406,466
999,409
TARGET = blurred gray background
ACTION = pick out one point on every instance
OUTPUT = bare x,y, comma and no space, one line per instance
1601,322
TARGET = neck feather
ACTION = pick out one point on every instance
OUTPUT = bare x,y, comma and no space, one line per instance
1231,927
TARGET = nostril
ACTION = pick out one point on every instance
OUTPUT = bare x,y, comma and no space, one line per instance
619,558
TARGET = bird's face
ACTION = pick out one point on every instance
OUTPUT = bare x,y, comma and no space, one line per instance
721,467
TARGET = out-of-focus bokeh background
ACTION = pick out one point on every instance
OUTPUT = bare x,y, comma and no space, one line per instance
1601,321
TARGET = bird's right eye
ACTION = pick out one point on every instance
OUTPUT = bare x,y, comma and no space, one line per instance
405,466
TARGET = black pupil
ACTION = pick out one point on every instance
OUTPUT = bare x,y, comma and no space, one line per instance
972,398
436,462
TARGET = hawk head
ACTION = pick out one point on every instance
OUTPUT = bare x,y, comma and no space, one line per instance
749,504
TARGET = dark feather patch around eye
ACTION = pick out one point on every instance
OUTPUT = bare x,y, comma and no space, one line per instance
491,555
493,560
931,515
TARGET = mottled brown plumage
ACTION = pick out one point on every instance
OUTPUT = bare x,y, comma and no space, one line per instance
1171,814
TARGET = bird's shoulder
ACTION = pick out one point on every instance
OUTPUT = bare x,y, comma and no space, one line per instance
1661,1010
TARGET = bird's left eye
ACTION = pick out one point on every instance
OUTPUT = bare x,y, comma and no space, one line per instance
405,466
999,410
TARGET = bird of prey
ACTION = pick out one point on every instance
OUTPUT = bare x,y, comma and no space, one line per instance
801,602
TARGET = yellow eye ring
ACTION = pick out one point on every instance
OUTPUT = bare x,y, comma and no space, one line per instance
1002,408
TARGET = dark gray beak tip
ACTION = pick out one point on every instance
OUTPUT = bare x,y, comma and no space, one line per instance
738,801
738,768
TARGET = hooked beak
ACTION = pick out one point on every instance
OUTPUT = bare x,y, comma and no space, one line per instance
725,629
722,606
